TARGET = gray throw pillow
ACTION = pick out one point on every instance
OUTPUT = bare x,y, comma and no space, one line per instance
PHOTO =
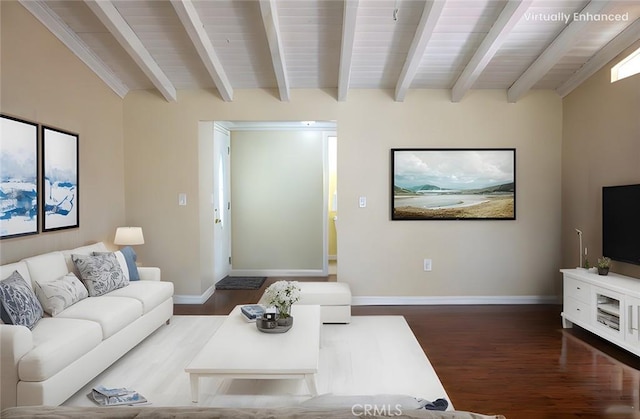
18,304
60,293
100,273
129,268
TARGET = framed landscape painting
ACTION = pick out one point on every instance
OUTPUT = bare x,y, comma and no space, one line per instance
59,179
18,177
453,184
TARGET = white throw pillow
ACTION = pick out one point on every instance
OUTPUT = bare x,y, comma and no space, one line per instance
57,295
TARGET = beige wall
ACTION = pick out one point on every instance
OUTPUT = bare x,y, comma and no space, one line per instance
159,158
470,258
277,190
43,82
601,147
377,257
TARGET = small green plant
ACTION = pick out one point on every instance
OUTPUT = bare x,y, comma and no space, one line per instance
604,262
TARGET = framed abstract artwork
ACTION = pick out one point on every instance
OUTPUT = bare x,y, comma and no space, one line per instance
18,177
60,178
453,184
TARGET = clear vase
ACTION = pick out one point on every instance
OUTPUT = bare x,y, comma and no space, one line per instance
284,310
284,316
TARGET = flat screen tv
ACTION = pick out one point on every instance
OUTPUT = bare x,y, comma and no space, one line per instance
621,223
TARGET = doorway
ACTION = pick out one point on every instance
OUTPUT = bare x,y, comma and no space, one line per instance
280,198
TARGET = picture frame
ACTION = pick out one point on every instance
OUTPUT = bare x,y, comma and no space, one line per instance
453,184
60,179
19,188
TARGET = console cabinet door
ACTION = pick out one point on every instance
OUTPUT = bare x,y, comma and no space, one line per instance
609,312
632,313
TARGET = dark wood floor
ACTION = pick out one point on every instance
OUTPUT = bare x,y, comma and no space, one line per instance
513,360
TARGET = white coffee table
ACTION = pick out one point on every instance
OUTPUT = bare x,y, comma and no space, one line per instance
239,350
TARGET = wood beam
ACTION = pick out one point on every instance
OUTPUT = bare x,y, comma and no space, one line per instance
118,27
269,11
554,52
41,11
430,15
498,33
195,29
618,44
349,15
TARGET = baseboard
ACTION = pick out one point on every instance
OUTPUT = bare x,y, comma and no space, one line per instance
404,301
194,299
277,272
454,300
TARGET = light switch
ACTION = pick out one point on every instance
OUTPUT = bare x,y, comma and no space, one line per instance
182,199
362,202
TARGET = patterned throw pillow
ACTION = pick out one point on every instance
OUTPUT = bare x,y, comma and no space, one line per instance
100,273
61,293
127,258
121,260
18,304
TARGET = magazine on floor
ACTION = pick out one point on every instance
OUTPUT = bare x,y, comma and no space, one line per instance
115,396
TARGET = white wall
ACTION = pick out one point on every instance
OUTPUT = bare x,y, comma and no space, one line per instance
378,257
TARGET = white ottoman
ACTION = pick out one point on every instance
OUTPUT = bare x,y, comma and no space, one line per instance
334,299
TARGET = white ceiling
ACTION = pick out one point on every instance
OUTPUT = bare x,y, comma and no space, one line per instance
339,45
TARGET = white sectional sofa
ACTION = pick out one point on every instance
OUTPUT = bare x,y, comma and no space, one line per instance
54,359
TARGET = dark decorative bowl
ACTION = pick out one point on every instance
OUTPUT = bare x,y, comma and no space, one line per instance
274,326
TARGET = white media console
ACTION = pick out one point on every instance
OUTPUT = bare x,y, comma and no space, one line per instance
608,306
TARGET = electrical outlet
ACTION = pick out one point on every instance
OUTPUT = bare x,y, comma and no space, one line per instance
427,265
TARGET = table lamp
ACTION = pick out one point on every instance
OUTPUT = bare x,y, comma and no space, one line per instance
128,236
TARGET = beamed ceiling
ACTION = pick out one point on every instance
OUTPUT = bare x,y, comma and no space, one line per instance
341,45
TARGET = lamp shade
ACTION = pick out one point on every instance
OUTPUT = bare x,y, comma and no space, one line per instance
129,236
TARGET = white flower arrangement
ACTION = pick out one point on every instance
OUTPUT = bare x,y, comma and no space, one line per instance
282,295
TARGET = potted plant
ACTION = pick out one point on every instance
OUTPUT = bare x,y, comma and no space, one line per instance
282,295
604,263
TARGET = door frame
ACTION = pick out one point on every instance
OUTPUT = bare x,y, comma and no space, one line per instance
231,126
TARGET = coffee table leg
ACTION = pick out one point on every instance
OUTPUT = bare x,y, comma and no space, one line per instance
311,384
195,380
